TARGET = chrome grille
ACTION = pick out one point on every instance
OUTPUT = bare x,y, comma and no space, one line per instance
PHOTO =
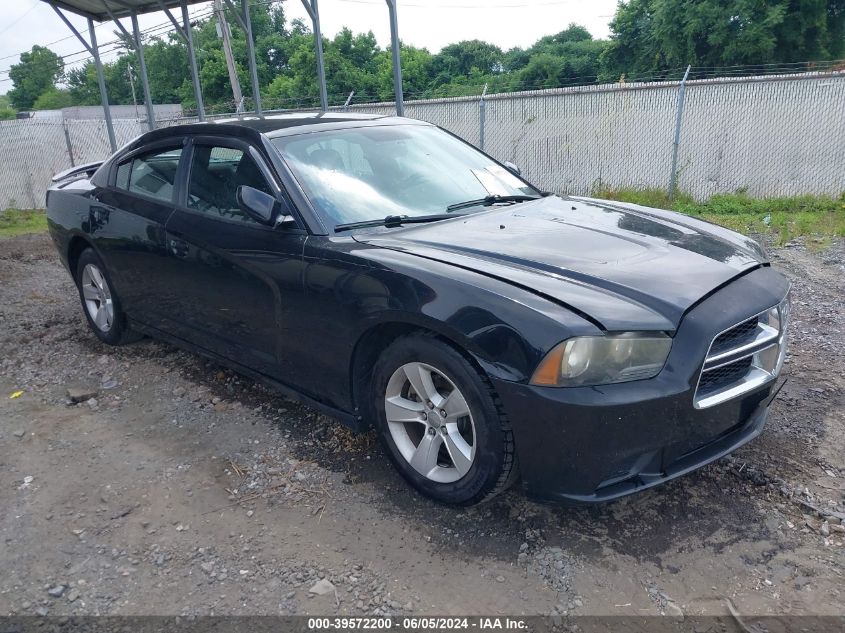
720,377
744,357
735,336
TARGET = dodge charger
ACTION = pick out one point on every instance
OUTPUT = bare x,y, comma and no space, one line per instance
393,276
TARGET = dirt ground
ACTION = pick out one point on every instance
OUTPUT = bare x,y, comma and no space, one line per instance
182,488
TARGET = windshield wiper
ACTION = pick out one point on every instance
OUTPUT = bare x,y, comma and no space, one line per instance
489,200
392,221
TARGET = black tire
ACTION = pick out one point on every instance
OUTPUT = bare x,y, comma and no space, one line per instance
494,467
117,332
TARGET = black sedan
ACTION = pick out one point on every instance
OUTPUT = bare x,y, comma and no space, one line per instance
392,275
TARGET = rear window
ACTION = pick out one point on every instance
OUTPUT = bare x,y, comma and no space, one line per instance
152,174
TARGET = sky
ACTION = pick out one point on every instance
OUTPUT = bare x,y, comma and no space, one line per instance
431,24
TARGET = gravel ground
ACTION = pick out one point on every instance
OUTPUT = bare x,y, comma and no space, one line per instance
175,486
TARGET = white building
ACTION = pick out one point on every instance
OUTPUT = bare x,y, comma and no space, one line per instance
92,113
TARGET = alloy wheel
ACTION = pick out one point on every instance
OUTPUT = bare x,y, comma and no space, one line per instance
430,422
97,296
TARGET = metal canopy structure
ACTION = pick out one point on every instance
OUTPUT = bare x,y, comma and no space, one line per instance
103,10
115,10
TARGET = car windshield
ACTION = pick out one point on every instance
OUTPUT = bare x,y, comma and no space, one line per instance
368,173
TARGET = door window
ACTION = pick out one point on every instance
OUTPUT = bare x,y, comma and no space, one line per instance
216,174
152,174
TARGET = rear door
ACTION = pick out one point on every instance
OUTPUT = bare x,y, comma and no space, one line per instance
238,282
127,221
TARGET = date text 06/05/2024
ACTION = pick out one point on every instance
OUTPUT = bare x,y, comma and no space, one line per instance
418,623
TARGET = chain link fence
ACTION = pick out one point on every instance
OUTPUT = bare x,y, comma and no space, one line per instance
32,151
769,136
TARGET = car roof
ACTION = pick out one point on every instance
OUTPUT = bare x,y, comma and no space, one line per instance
252,127
276,122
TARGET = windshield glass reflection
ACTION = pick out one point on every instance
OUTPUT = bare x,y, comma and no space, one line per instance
368,173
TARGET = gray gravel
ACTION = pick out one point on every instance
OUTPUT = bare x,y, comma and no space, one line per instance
145,480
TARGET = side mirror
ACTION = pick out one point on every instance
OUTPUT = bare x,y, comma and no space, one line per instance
513,168
260,206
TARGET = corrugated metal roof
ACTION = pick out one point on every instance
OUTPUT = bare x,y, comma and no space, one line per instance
95,9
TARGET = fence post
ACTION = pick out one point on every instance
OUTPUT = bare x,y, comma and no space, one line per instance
395,49
673,179
482,116
69,145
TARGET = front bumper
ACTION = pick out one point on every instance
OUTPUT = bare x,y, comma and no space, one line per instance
593,444
600,453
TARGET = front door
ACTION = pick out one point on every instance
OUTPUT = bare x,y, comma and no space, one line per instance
238,282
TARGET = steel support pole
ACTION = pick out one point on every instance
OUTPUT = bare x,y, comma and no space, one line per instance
318,46
673,180
397,60
101,81
482,118
250,46
227,52
195,75
314,13
69,145
95,53
145,81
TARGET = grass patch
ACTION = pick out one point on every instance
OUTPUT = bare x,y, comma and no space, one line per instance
782,218
22,221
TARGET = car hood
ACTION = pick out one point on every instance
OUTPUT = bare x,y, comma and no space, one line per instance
622,266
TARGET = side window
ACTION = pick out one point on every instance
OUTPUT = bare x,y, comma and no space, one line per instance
216,174
123,175
152,174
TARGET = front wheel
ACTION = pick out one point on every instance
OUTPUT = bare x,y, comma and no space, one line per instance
441,422
99,301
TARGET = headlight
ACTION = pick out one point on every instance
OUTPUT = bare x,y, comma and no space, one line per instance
602,360
772,318
778,317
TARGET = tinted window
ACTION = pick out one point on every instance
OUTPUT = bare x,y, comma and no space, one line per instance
152,174
123,175
216,174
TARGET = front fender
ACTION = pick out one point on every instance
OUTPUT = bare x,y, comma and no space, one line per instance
506,329
353,290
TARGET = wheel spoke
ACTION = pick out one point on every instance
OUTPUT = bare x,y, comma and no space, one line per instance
415,395
399,409
90,293
459,450
455,405
97,277
102,318
424,459
420,378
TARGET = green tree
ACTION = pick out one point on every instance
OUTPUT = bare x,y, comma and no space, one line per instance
656,37
462,58
6,110
82,84
37,71
566,58
53,99
168,69
84,89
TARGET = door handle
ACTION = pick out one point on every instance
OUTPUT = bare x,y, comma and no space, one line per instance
179,247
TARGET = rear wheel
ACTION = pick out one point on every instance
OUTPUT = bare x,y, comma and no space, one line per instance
99,302
441,422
